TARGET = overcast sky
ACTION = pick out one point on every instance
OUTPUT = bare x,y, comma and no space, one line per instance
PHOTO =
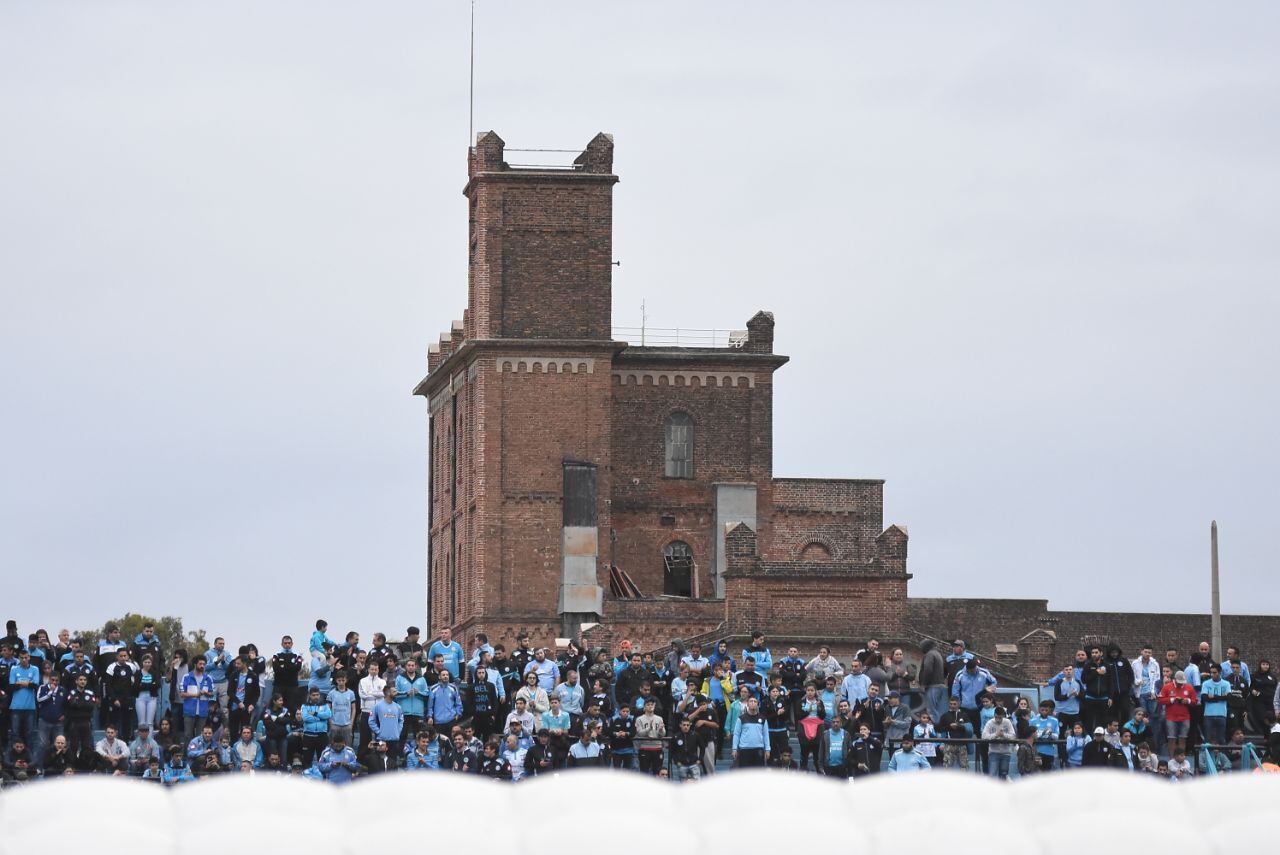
1023,258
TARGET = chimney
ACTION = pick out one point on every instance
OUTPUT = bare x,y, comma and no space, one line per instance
760,333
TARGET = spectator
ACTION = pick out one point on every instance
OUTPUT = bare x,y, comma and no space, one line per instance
1214,693
699,666
545,672
864,753
586,752
1048,729
824,665
57,759
314,717
113,753
924,734
750,737
17,764
143,749
451,651
1146,681
197,693
968,687
387,723
51,713
998,729
81,705
907,759
217,661
338,762
622,737
24,680
1177,698
444,703
834,750
1098,752
855,684
649,726
246,749
759,653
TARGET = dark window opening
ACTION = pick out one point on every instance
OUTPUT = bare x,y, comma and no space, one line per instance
677,576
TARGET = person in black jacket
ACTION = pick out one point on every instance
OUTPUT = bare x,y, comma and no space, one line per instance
286,666
148,642
245,691
1099,753
120,684
1262,691
540,758
484,704
1096,678
865,753
81,702
58,759
492,765
1121,685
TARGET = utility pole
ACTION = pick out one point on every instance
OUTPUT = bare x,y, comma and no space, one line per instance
1216,618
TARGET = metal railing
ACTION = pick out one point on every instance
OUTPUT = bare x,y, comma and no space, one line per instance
680,337
1211,755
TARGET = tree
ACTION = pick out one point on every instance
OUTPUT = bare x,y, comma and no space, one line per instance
168,629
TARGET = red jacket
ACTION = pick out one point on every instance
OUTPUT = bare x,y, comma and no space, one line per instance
1177,711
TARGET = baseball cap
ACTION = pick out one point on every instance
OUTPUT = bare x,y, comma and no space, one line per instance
143,726
1099,731
957,643
1180,677
895,694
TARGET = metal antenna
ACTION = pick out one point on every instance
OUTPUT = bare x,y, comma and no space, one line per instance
471,109
1215,616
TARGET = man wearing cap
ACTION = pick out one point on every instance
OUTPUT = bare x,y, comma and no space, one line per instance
907,759
897,718
142,749
1177,698
955,661
1098,752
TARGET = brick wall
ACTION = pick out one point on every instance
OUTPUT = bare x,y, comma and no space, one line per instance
732,424
541,246
985,623
843,517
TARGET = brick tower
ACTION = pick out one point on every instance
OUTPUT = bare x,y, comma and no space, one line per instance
519,401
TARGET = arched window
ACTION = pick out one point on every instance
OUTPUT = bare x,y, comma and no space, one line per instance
679,445
815,551
677,575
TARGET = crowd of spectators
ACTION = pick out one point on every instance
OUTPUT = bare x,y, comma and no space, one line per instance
337,710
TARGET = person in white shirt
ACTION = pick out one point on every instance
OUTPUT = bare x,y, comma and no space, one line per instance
514,755
113,753
1146,681
370,691
699,666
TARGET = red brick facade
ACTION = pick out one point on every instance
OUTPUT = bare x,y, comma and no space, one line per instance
529,393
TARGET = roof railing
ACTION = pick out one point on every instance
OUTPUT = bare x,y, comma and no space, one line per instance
681,337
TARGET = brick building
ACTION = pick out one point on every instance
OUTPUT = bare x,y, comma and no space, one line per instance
578,481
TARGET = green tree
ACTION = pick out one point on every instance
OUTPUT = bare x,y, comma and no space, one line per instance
168,629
